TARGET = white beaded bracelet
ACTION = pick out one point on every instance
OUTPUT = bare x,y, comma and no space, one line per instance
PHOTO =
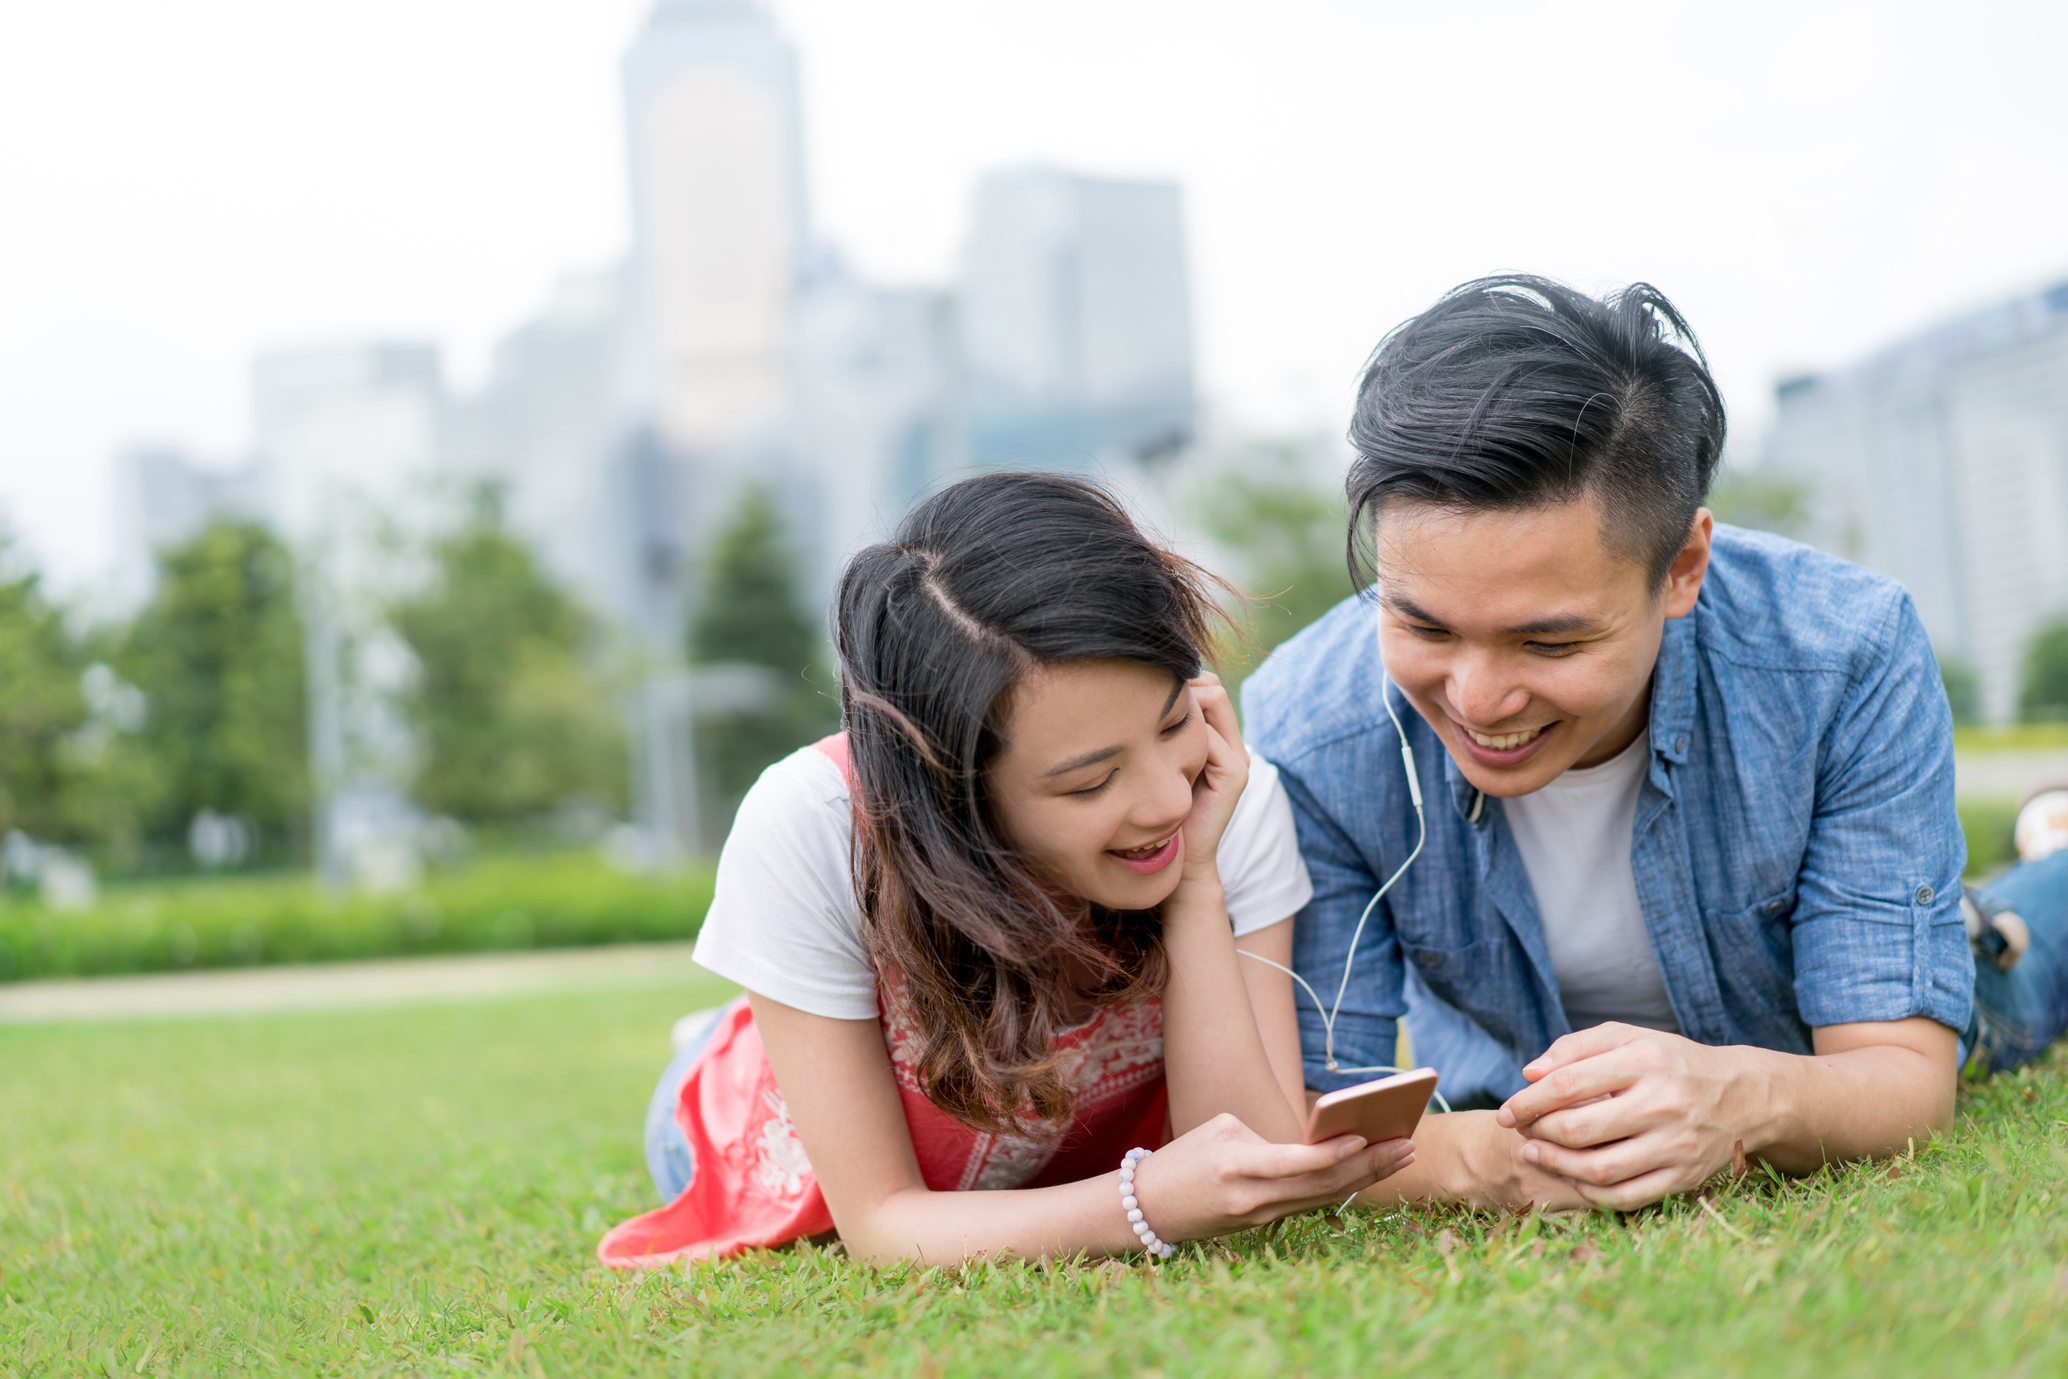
1154,1246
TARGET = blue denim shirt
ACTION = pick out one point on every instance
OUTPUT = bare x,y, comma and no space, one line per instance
1796,849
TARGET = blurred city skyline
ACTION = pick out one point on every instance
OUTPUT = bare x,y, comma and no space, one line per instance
189,187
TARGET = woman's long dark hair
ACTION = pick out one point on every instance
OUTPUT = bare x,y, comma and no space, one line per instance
983,582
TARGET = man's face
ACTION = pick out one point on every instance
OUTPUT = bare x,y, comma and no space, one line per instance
1526,642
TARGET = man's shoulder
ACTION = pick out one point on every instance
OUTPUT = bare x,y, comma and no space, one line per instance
1319,687
1775,604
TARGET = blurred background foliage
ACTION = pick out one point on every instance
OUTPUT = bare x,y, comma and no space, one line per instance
1282,533
752,614
549,900
42,710
119,739
513,716
215,718
2043,693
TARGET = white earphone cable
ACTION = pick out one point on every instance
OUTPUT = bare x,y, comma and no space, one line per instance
1328,1014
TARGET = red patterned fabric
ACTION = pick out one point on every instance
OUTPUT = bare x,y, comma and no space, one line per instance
754,1187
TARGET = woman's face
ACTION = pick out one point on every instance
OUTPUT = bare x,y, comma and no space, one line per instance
1096,778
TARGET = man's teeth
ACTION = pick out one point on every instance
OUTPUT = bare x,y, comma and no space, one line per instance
1501,742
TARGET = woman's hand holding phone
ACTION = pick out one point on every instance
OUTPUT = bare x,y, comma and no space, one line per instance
1223,1176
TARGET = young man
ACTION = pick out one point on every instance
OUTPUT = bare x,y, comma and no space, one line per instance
1689,890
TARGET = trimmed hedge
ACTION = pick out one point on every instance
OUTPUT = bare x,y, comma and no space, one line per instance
498,903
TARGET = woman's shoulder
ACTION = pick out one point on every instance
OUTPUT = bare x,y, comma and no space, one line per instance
1262,874
783,920
801,790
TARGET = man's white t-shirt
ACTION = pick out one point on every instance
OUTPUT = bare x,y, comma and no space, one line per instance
1575,840
784,923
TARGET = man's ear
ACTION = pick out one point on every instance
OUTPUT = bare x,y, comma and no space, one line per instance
1684,576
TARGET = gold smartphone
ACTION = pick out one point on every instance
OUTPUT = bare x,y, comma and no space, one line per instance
1388,1109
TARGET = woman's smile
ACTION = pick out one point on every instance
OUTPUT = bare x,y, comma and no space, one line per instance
1148,859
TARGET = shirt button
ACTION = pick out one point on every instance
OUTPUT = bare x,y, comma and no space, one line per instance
1680,744
1773,907
1924,895
1427,959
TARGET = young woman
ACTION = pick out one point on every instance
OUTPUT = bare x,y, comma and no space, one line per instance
989,935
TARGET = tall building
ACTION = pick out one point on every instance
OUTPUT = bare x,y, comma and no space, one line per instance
347,434
163,497
878,419
544,428
1076,320
717,175
1943,462
351,439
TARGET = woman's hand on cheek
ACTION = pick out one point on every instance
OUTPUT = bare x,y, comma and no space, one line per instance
1220,782
1224,1177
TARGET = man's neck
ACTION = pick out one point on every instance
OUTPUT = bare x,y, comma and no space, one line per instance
1627,730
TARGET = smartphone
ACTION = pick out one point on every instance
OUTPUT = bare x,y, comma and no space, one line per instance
1388,1109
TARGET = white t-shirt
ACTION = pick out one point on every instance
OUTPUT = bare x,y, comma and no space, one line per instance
1575,840
784,923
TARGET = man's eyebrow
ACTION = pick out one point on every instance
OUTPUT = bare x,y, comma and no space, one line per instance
1094,758
1553,626
1409,609
1556,625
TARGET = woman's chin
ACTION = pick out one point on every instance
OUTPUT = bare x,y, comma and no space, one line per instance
1119,889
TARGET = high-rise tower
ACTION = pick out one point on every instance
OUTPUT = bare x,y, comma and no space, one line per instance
1076,320
712,125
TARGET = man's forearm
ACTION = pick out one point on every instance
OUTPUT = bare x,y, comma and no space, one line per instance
1631,1115
1853,1103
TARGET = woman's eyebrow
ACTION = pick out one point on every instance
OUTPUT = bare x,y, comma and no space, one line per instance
1079,763
1093,758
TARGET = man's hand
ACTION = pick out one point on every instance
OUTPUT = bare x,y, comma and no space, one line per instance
1468,1156
1630,1115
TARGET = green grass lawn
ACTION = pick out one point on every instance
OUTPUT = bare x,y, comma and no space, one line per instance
419,1192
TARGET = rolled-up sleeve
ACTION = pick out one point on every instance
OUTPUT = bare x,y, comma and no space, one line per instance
1876,924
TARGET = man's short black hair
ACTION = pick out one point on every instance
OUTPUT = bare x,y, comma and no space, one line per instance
1516,391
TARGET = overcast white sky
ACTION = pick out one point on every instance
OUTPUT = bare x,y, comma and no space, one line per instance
181,183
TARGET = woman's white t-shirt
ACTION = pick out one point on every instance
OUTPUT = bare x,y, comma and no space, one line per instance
784,923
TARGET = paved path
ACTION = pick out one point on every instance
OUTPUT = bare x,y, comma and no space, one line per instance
341,985
2006,775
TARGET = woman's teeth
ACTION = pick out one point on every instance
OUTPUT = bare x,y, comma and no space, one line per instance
1501,742
1144,852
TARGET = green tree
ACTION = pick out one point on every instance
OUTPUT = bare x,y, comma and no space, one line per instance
41,709
751,614
2043,689
513,718
1963,690
1289,537
1763,502
218,655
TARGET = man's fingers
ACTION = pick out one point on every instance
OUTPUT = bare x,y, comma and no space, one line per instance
1603,1167
1632,1193
1568,1086
1586,1043
1593,1122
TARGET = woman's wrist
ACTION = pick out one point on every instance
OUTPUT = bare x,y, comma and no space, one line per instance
1199,892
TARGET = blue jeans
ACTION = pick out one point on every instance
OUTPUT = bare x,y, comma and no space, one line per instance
668,1156
2020,1012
